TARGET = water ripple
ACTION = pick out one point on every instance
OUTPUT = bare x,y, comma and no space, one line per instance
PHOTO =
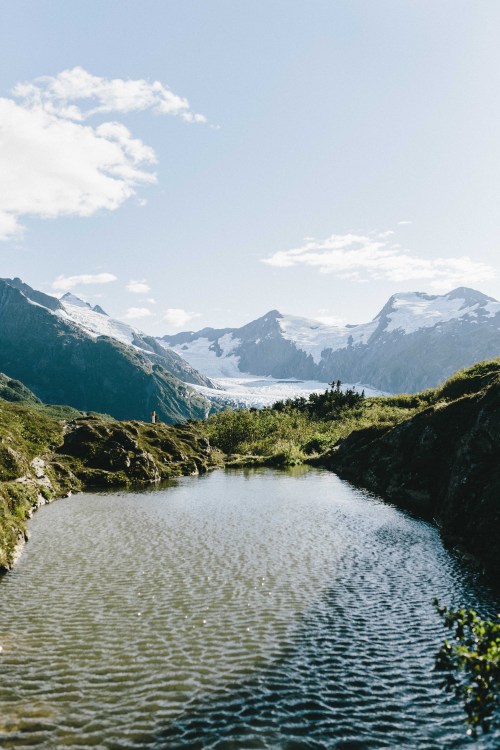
237,610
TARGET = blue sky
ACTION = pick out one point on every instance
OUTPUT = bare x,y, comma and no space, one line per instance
345,151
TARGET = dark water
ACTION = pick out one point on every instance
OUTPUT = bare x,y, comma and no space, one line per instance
237,610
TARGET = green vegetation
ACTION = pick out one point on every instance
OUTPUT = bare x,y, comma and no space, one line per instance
292,431
79,450
470,664
25,432
299,430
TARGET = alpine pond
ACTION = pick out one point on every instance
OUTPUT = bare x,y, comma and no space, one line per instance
240,609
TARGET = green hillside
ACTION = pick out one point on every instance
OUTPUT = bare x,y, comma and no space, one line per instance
61,364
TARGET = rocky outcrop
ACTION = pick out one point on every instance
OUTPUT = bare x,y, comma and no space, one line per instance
444,463
101,452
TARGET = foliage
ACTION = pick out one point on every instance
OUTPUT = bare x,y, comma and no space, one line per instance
470,664
327,405
316,424
291,430
471,380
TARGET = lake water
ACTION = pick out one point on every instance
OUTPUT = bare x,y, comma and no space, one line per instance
240,609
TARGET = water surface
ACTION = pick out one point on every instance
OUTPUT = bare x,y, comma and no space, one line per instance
251,609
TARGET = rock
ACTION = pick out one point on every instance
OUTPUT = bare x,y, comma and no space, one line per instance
444,463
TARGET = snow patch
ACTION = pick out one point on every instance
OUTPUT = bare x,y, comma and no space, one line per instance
96,324
248,391
414,311
72,299
201,353
314,337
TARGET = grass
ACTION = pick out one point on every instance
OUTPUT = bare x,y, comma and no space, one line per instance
296,430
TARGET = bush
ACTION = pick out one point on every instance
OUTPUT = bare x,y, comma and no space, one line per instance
471,664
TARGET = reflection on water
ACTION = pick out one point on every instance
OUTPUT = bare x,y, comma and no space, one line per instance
236,610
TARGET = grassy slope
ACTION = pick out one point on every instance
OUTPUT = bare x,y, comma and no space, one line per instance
291,435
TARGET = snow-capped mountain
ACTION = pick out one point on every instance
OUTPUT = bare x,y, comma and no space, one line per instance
67,352
71,299
96,322
416,341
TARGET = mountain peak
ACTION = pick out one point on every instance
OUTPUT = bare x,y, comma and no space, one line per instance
471,296
72,299
420,300
40,298
98,309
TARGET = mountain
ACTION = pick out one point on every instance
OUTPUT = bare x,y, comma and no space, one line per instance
72,354
95,322
416,341
72,299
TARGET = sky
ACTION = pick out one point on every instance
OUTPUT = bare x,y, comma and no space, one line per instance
192,163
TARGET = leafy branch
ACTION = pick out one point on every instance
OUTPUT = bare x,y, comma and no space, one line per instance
470,664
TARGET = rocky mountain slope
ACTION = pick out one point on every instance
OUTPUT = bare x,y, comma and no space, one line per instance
64,357
95,322
415,342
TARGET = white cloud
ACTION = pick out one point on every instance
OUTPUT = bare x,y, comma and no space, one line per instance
54,164
134,313
363,258
65,283
138,287
404,223
58,95
176,317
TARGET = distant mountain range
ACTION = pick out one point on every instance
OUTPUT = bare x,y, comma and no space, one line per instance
416,341
67,352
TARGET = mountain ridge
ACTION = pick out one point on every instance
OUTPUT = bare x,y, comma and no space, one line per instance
416,341
62,362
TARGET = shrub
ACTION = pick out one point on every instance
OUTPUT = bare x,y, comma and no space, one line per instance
471,664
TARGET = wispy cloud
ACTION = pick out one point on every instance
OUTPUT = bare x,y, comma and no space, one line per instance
138,287
65,283
54,163
176,317
374,257
134,313
63,95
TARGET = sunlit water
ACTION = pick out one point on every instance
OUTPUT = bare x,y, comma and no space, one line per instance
236,610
